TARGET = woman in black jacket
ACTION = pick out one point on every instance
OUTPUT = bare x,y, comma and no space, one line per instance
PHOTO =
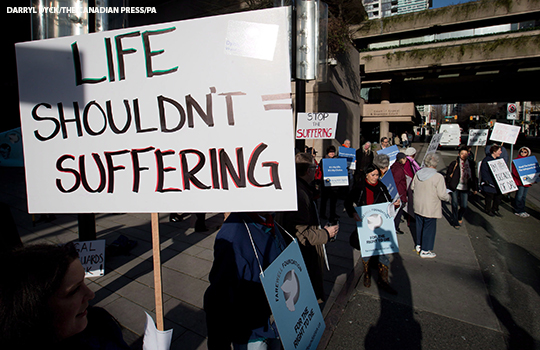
366,192
460,179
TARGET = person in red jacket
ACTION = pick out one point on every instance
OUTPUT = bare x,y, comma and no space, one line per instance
521,194
400,178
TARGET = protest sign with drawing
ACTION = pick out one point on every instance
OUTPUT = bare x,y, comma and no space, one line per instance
377,231
316,126
502,176
292,300
477,137
191,116
505,133
528,170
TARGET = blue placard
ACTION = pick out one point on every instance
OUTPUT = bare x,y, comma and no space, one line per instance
390,183
335,172
528,170
391,152
292,300
376,230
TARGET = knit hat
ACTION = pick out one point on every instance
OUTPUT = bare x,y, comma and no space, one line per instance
411,151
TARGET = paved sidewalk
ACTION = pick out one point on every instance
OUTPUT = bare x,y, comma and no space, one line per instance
448,290
127,290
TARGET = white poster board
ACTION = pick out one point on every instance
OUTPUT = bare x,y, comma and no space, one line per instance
316,126
192,116
92,257
502,176
477,137
505,133
433,145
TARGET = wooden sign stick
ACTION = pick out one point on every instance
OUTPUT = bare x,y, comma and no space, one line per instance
158,286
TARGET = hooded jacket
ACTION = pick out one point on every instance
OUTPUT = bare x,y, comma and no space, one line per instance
515,173
429,190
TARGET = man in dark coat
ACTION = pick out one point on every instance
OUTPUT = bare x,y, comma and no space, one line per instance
304,224
460,179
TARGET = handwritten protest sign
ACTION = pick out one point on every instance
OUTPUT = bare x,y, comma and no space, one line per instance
376,231
477,137
92,257
505,133
335,172
316,126
391,152
292,300
502,176
433,145
528,170
191,116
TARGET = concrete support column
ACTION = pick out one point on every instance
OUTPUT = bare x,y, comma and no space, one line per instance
384,130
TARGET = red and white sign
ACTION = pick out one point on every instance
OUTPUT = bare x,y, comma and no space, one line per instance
316,126
191,116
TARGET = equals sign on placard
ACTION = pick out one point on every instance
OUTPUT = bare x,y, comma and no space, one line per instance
268,106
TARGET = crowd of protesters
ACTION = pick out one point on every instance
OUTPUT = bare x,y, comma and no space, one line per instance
45,300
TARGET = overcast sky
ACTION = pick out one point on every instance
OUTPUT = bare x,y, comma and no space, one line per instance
442,3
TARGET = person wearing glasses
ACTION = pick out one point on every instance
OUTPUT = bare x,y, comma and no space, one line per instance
384,144
521,194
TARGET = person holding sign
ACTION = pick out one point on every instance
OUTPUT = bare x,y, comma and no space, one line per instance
366,192
488,185
428,191
460,178
329,192
521,194
235,303
305,224
45,303
400,178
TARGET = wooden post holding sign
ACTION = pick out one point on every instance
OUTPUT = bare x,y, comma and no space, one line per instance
161,129
158,284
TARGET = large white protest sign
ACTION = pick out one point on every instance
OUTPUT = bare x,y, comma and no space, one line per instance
505,133
316,125
477,137
191,116
502,176
433,145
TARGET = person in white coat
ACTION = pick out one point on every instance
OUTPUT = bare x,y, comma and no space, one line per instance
429,189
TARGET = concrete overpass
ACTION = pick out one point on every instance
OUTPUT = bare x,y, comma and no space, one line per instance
501,67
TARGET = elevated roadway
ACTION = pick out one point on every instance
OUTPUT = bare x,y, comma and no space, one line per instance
499,67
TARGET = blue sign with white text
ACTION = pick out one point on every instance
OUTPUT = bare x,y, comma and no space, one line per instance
391,152
335,172
528,170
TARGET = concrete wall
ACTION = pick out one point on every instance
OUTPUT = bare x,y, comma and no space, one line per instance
339,94
467,51
471,12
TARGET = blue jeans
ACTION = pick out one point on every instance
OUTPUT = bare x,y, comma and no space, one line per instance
461,199
425,232
519,202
